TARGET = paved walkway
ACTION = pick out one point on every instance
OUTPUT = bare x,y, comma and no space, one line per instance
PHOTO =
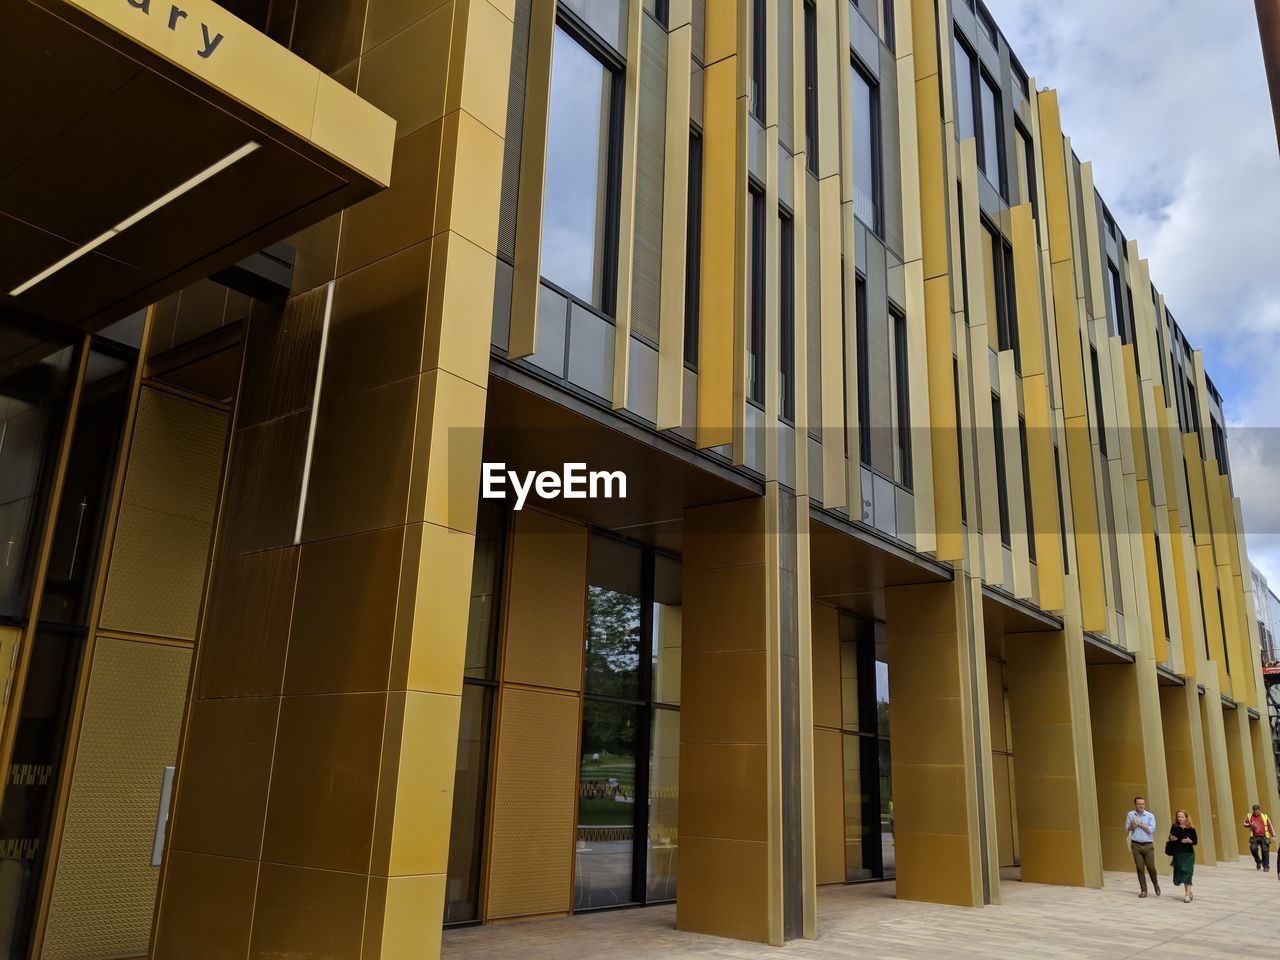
1236,914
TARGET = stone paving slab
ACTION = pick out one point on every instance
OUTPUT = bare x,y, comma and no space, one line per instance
1235,915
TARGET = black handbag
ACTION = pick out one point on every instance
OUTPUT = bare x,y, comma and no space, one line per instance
1171,847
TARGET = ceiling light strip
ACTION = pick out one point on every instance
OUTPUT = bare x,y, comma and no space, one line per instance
174,194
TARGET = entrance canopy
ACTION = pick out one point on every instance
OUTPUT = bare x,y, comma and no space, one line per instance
146,144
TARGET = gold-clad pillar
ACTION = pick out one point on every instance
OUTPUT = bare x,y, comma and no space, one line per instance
1244,784
1124,752
1264,762
1185,760
1052,759
745,869
935,695
313,804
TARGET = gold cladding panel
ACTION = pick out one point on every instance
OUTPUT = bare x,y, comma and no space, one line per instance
105,887
159,558
546,605
828,805
157,574
534,807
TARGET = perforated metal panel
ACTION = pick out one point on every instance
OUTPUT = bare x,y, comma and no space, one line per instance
105,887
515,124
546,603
534,805
646,276
158,560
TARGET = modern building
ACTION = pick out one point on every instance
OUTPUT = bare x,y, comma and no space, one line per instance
1269,32
928,559
1268,625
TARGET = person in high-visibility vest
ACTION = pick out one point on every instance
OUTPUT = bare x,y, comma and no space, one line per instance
1261,833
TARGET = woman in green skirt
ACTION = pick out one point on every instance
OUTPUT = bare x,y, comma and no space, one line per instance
1181,845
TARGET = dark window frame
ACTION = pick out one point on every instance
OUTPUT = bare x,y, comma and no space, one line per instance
1002,479
877,145
582,34
1026,488
756,318
787,316
862,333
1101,424
757,106
1029,164
645,706
902,396
693,253
984,78
811,85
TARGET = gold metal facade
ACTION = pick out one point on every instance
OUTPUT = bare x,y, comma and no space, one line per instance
1044,677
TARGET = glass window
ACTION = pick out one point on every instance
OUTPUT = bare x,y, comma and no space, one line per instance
44,710
964,90
33,398
1002,478
866,149
758,48
606,805
668,592
1115,321
997,261
787,318
664,801
627,808
693,247
886,23
902,396
755,339
613,619
1027,164
577,193
482,621
868,781
1097,401
1026,487
864,370
470,783
989,156
811,86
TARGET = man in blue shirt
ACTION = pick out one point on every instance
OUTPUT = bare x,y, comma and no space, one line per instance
1140,825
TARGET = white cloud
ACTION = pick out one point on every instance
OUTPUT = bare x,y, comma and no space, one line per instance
1169,100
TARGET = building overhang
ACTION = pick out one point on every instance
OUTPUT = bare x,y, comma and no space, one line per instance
147,144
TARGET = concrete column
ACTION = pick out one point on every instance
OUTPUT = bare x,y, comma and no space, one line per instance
314,797
937,693
1053,759
1185,761
745,869
1128,756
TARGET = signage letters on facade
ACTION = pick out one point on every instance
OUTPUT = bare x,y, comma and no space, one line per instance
177,14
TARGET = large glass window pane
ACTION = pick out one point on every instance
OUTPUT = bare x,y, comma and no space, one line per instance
469,786
861,818
964,91
756,333
888,859
27,805
613,619
664,798
989,156
576,190
33,396
606,805
482,622
866,147
668,593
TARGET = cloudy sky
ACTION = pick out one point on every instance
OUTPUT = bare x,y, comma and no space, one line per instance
1168,98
